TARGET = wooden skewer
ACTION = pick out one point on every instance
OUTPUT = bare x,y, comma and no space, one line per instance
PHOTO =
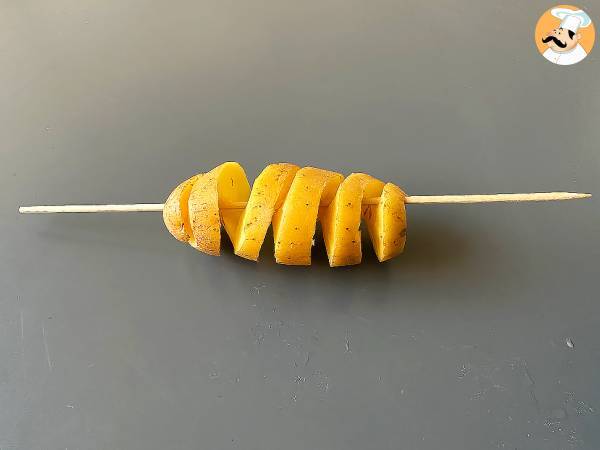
412,199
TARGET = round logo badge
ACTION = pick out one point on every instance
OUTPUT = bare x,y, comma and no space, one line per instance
565,35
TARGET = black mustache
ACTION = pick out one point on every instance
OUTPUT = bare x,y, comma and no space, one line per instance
556,41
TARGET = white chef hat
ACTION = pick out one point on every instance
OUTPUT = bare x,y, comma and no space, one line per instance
570,19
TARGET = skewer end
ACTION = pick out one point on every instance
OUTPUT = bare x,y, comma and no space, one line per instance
576,195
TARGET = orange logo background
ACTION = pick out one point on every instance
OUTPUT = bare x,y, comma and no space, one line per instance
548,22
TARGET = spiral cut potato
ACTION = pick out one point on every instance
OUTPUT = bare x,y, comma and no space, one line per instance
292,199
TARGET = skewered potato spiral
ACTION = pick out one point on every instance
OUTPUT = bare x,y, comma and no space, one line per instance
292,199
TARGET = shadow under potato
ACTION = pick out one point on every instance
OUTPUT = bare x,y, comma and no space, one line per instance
437,259
430,246
433,247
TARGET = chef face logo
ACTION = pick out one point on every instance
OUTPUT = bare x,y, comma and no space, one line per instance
565,35
561,40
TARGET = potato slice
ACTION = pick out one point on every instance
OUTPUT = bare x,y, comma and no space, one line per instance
176,213
268,193
294,224
341,219
216,189
386,222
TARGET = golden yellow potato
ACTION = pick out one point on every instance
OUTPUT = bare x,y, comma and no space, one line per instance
341,220
268,193
386,222
176,212
294,224
219,188
292,199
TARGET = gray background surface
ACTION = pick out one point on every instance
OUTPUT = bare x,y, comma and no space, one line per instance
115,336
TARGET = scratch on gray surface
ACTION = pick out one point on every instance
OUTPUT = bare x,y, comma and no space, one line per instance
315,336
531,387
22,344
258,287
558,422
348,350
464,370
257,333
569,343
70,406
307,359
46,348
321,380
22,327
577,407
